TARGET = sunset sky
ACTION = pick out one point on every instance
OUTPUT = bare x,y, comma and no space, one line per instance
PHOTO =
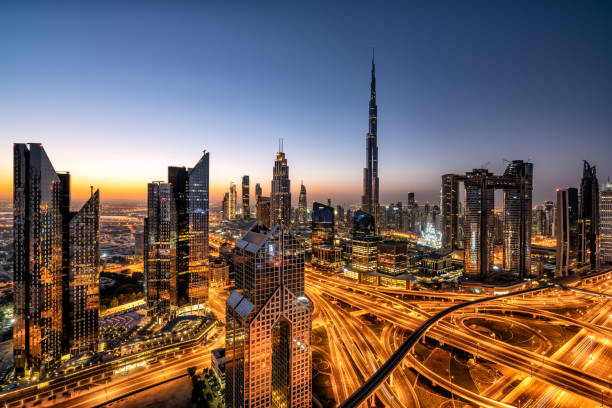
118,91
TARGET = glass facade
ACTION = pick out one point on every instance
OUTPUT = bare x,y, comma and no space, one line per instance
280,211
364,243
369,200
246,207
198,232
302,216
588,251
605,228
268,323
325,254
562,232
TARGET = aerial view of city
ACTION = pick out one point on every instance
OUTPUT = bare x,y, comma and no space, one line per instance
187,219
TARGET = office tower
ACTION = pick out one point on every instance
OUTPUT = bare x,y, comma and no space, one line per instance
573,213
589,218
339,216
258,192
369,200
478,224
425,217
263,210
37,264
549,219
539,220
233,197
268,323
246,208
138,243
160,249
562,233
198,231
178,178
225,206
281,191
364,243
84,277
518,178
325,254
392,257
605,227
450,211
302,212
55,264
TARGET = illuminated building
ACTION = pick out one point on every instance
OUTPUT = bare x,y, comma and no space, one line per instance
325,254
573,212
302,211
198,231
246,207
369,200
179,179
233,197
479,223
219,272
588,229
605,231
364,243
549,217
225,206
280,205
160,249
562,234
263,210
450,212
392,257
518,180
268,323
56,280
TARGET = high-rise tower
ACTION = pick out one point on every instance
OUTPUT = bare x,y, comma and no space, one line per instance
369,200
246,207
605,229
268,323
450,212
302,211
233,198
588,251
280,208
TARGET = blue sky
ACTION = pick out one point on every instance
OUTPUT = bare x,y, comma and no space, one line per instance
117,91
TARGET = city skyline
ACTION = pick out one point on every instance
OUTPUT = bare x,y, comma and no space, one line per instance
450,98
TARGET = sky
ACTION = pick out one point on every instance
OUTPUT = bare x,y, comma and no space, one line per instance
116,91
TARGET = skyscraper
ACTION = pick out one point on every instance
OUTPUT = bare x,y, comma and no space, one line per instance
55,264
369,200
562,234
478,224
588,251
225,206
198,232
233,197
302,211
364,243
160,229
179,179
268,323
246,207
325,254
450,211
281,191
605,229
258,192
518,178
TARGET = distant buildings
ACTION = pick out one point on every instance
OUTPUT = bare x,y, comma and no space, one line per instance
364,243
605,228
246,207
268,323
280,211
258,191
369,200
176,241
588,224
56,260
302,207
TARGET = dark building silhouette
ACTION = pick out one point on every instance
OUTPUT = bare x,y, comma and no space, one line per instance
562,234
364,243
588,228
325,254
302,207
246,207
450,212
369,200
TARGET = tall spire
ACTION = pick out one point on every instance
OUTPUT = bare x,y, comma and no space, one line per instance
369,200
373,83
